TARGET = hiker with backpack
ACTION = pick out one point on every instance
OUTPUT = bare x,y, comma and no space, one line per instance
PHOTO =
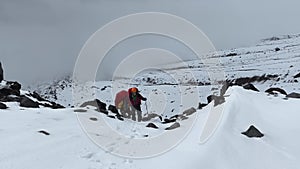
129,103
136,100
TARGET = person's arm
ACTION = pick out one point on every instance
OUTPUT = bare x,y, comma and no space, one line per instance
142,98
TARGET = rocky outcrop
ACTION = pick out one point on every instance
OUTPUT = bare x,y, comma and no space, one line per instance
1,73
217,99
10,92
173,126
250,86
275,90
26,102
151,125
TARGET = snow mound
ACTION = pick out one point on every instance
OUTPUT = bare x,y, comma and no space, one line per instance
67,146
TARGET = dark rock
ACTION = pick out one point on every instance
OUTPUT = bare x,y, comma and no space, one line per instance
119,117
14,86
179,117
273,91
89,103
151,125
1,73
277,49
3,106
44,132
113,109
232,54
10,88
218,99
189,112
201,105
110,116
101,106
226,85
80,110
297,75
293,95
253,132
173,126
93,119
27,102
37,96
246,80
150,116
250,87
166,121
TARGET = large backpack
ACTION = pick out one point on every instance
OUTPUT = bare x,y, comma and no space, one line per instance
121,99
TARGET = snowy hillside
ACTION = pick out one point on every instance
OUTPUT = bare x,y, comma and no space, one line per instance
276,59
25,144
41,137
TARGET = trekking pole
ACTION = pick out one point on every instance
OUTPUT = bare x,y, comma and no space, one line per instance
146,107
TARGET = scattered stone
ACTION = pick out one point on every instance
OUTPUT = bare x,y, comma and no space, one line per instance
113,109
166,121
173,126
232,54
89,103
277,49
93,119
44,132
189,112
226,85
250,86
101,106
80,110
274,90
293,95
3,106
119,117
110,116
201,105
151,125
218,99
27,102
150,116
253,132
297,75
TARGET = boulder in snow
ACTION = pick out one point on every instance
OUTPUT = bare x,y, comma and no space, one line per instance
253,132
173,126
27,102
217,99
250,86
293,95
189,112
3,106
275,90
297,75
151,125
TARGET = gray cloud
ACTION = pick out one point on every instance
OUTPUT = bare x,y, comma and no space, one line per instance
40,39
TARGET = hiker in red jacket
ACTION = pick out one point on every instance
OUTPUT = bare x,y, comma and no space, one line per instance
136,100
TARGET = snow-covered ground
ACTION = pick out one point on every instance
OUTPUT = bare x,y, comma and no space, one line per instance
67,146
26,145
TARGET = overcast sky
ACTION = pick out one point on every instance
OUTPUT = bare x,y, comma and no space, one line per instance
40,39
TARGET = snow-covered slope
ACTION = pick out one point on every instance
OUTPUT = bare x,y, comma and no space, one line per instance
67,146
277,56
